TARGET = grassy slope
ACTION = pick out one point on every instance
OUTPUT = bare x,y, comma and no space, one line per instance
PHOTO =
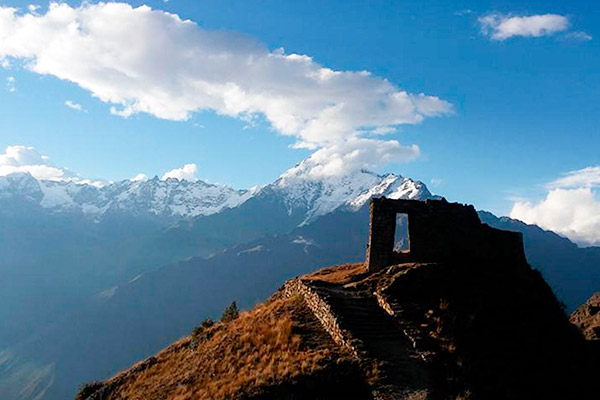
276,344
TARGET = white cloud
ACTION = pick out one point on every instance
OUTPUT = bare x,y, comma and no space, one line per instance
75,106
356,153
139,177
33,8
574,213
586,177
11,84
571,207
28,159
578,36
502,26
149,61
187,172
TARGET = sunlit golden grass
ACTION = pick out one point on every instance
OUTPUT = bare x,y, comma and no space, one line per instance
275,342
341,274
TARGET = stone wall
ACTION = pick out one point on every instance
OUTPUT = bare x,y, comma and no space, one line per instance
322,311
439,231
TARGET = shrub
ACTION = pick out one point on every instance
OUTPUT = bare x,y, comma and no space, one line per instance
207,323
230,313
199,332
88,389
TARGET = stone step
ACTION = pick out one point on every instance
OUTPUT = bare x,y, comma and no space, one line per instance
380,340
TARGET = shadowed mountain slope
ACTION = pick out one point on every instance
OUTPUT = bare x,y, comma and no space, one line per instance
478,327
572,271
136,319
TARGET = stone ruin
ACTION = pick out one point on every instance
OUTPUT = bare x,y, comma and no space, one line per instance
438,231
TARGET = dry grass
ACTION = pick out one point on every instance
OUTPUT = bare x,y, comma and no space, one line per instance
341,274
278,341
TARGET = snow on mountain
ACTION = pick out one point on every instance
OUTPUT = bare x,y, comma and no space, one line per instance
298,190
171,197
20,186
321,195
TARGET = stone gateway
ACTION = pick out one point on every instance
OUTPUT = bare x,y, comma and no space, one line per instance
438,231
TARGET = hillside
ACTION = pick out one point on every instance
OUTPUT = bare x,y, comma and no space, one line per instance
74,254
75,283
107,330
469,328
470,341
279,346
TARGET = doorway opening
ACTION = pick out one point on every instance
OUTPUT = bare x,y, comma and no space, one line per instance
401,235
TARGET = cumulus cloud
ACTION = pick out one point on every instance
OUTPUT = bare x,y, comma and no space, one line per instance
142,60
574,213
502,26
571,207
187,172
75,106
29,160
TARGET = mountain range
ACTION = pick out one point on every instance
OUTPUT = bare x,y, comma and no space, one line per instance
182,199
94,277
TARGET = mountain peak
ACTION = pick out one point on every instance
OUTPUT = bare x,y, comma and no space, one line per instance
320,194
299,189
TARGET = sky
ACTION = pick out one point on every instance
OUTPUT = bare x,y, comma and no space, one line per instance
488,103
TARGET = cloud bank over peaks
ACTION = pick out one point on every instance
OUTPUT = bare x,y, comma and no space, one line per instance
141,60
187,172
29,160
505,26
571,207
139,178
352,155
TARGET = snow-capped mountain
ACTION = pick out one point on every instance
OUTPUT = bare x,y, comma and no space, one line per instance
171,197
296,189
320,195
20,186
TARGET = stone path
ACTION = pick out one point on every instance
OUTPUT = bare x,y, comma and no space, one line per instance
377,340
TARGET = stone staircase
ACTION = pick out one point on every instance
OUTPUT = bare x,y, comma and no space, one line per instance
356,320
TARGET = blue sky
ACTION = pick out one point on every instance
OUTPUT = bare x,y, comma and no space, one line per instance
524,109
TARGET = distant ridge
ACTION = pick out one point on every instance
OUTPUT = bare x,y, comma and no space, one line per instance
183,199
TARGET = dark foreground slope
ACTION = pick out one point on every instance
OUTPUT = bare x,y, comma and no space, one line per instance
572,271
411,331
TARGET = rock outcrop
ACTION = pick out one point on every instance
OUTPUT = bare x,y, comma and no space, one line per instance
587,318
